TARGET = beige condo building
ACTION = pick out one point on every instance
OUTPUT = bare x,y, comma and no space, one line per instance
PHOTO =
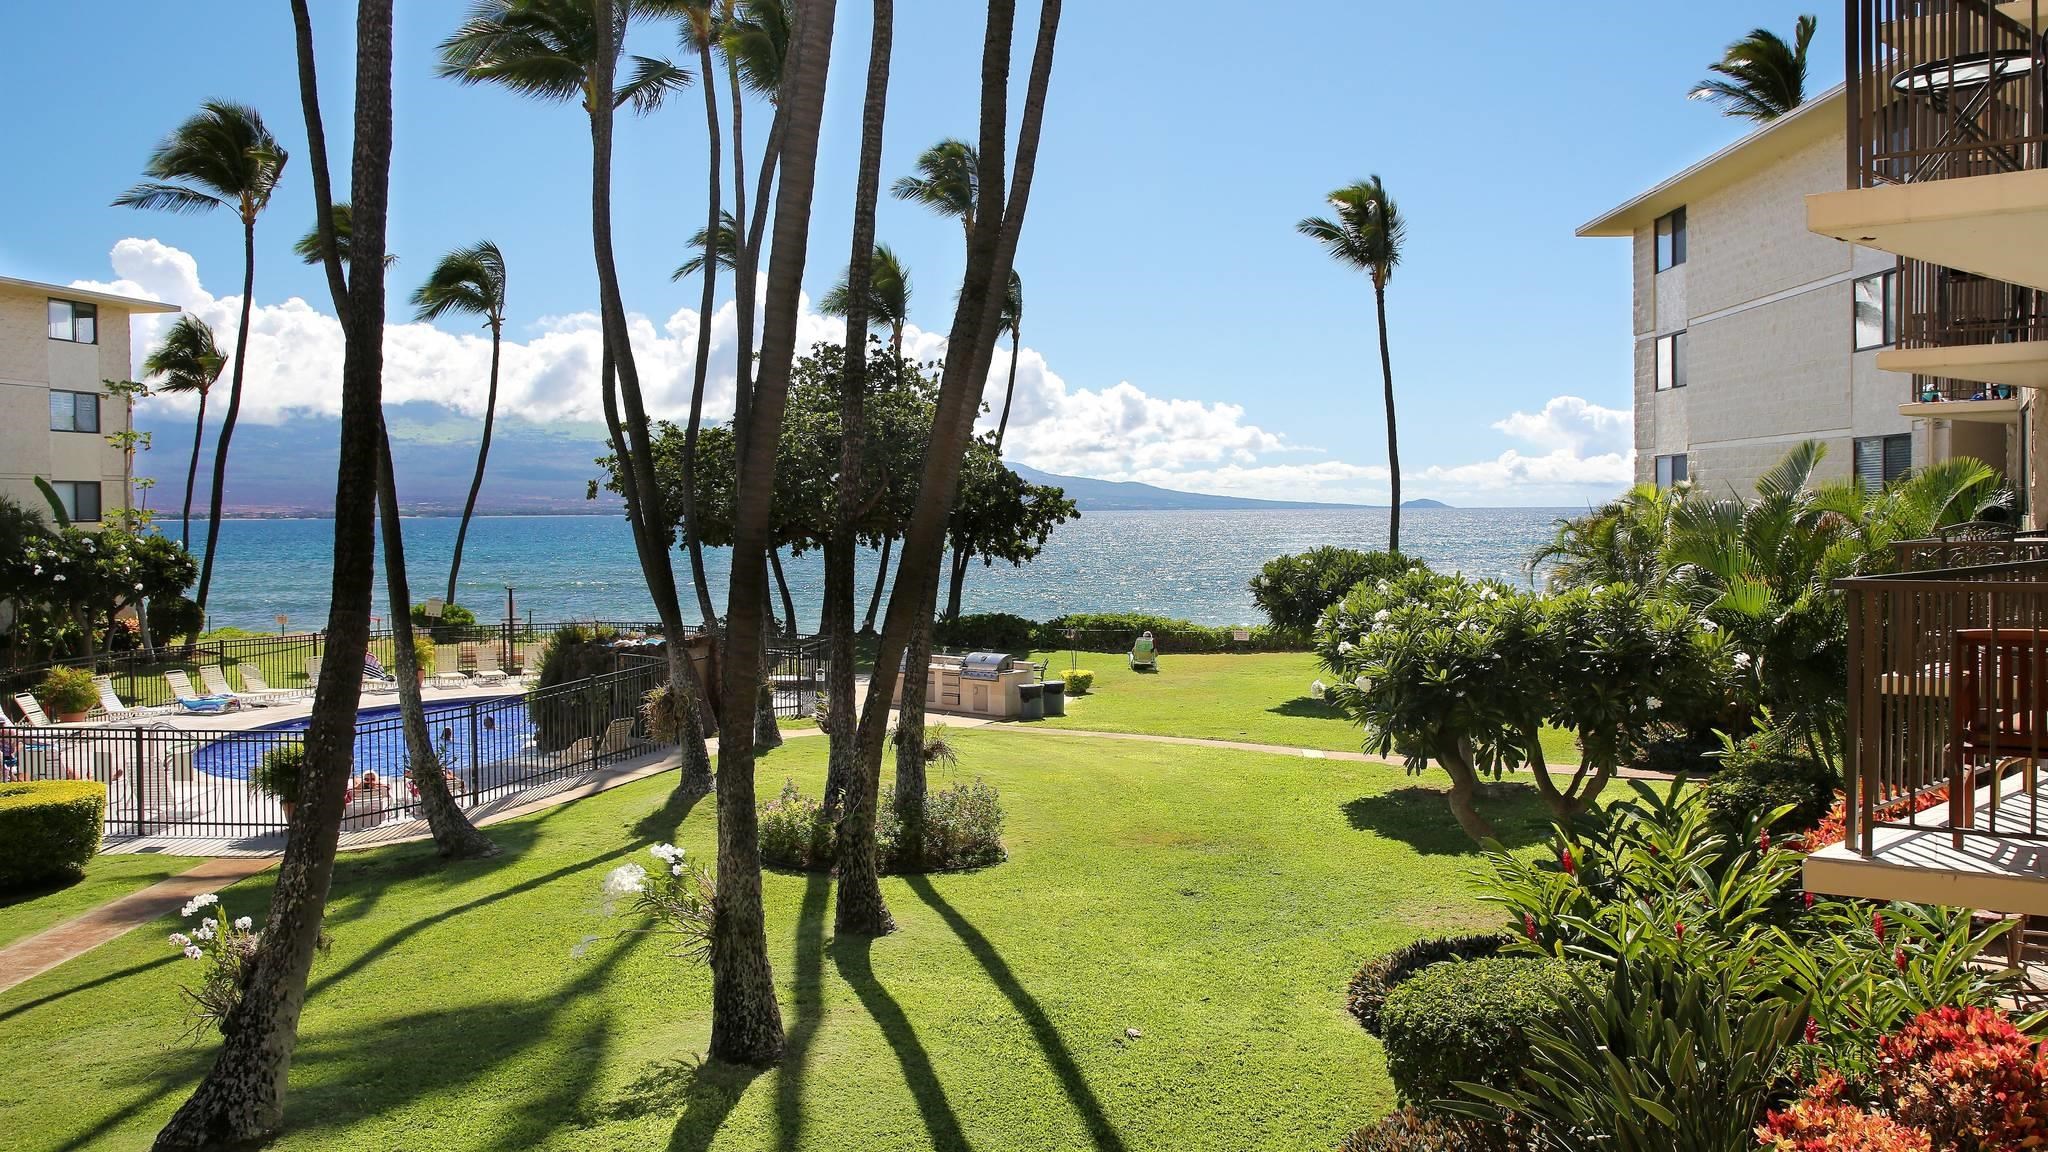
58,346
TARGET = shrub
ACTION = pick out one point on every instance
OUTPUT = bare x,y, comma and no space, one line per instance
277,774
170,618
1079,681
66,690
453,617
49,829
986,632
963,828
1410,1130
1765,771
794,831
1116,631
658,714
1381,974
1295,591
1677,750
1469,1021
225,947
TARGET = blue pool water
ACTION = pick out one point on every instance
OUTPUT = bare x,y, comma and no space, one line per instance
501,729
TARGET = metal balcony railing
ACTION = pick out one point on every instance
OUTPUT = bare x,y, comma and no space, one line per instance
1941,89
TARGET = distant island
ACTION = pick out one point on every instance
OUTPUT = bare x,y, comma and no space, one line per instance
1130,496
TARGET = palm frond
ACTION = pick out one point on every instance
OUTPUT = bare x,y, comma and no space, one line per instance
948,180
650,83
466,281
1760,77
187,359
167,198
726,252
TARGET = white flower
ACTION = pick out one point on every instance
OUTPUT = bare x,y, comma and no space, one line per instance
192,952
1381,616
243,923
58,578
1487,592
676,869
1344,647
1709,626
1654,703
667,853
204,931
197,902
625,880
1385,587
181,940
138,585
39,570
1742,659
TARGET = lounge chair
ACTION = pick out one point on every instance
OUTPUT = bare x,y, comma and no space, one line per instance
618,737
448,668
215,680
577,752
31,712
111,707
1143,654
255,684
529,663
485,660
195,701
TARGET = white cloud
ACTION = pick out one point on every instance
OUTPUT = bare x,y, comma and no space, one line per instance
549,373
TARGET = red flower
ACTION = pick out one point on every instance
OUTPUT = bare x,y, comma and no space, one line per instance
1877,925
1565,861
1678,929
1763,840
1809,899
1899,959
1812,1030
1529,925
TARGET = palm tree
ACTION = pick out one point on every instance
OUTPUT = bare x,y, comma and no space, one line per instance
1619,542
471,282
188,360
1367,234
1760,77
725,253
947,181
240,1101
221,157
564,51
307,247
887,300
1012,322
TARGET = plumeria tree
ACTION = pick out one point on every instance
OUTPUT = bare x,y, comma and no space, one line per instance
71,584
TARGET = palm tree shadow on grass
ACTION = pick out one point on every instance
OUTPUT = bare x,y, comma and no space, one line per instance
1420,817
850,954
807,1010
1047,1035
88,985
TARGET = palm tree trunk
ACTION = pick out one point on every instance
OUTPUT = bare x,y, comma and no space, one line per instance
227,424
782,587
861,910
961,562
1010,390
455,838
1379,299
192,472
693,543
636,448
483,454
991,249
881,581
241,1099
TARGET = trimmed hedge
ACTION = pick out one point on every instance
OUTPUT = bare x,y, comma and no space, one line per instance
1078,681
1466,1021
987,632
1382,974
49,829
1763,772
1115,631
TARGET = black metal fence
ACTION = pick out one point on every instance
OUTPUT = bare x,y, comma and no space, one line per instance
167,780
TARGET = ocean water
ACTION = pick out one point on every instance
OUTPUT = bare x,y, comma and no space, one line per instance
1188,564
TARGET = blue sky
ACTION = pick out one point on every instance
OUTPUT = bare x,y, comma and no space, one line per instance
1182,332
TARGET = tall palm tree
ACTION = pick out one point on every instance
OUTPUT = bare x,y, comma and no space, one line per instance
1760,77
1367,234
1012,322
189,361
887,300
947,181
240,1101
470,282
307,247
568,51
725,252
221,157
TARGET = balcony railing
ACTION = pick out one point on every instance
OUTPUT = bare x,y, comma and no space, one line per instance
1944,308
1941,389
1968,546
1948,702
1941,89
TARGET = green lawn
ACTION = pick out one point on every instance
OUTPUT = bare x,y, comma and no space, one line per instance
1217,902
1262,697
106,878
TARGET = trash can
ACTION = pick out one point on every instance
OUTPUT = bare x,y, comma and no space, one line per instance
1055,697
1030,701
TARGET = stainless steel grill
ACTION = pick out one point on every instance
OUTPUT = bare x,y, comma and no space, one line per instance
984,665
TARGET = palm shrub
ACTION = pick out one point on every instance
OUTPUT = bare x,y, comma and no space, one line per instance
1619,542
277,773
1295,590
1764,771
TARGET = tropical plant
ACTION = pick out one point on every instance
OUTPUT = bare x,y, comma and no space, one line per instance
281,773
469,282
675,899
1760,77
888,296
225,948
187,362
1012,322
67,690
341,228
947,181
221,157
1367,234
1295,590
1619,542
720,248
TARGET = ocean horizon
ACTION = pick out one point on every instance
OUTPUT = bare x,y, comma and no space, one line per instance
1189,564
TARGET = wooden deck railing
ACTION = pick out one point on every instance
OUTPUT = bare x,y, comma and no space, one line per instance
1933,553
1948,688
1941,89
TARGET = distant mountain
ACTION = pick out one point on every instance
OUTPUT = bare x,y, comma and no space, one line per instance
1424,502
535,469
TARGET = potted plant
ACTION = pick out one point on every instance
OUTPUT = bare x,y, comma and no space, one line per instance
277,775
68,693
423,656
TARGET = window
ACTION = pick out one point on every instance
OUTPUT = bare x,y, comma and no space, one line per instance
1670,361
1671,239
1671,470
81,500
70,320
1882,459
1877,311
74,412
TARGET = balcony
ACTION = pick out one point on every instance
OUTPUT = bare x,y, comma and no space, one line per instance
1946,129
1967,337
1948,726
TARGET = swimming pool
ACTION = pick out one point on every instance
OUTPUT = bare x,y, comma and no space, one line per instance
484,730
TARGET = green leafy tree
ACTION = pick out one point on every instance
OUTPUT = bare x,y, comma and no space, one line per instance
1761,76
187,362
221,157
1294,591
470,282
1367,234
1012,322
999,516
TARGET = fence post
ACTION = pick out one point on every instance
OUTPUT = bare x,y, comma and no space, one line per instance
476,758
141,769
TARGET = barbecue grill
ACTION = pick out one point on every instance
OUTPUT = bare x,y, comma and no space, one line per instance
984,665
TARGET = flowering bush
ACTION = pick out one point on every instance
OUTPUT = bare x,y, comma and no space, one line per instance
1960,1079
1833,828
676,898
794,831
225,948
1079,681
